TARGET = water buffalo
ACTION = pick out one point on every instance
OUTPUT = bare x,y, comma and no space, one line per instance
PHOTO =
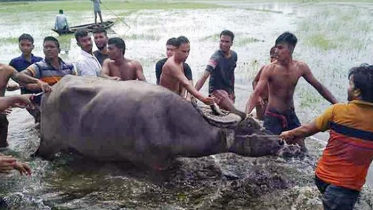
138,122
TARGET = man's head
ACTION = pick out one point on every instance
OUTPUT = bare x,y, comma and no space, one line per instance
51,47
170,47
361,83
182,48
26,44
285,45
83,40
226,40
116,48
61,11
272,54
100,37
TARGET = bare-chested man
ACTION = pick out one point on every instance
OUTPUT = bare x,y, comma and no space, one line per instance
282,76
7,72
173,76
117,67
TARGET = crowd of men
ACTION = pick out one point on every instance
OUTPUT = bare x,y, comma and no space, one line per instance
341,171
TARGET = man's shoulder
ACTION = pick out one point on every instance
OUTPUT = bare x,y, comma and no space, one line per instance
162,61
16,59
186,66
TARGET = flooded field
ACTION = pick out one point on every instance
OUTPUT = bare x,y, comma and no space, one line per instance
333,37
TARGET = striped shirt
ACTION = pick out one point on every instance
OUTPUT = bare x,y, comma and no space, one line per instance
349,152
44,71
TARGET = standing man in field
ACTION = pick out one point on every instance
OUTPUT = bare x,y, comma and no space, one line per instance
342,169
262,103
119,67
87,64
173,76
97,9
7,72
170,50
282,76
220,69
101,39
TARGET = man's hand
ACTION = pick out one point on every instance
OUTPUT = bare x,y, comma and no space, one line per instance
115,78
12,87
24,101
7,163
44,86
7,111
208,100
23,168
288,136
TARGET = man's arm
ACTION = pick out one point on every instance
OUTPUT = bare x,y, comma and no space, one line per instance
256,79
105,72
308,76
7,101
158,71
299,133
263,80
202,80
184,82
25,78
139,72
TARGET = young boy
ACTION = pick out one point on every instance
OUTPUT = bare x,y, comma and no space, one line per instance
342,169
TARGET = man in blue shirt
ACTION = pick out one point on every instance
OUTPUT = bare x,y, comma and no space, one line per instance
26,45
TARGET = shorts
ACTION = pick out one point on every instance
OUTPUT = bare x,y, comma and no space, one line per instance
3,130
221,95
277,122
336,198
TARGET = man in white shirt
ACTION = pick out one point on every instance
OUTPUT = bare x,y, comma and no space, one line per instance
61,22
87,64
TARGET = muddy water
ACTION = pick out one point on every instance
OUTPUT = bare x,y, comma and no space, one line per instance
223,181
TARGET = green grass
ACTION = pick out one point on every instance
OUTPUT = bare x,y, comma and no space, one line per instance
9,40
242,41
107,5
143,37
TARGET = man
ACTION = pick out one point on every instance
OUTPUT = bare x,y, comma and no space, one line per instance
87,64
170,50
282,76
50,70
173,76
61,22
7,72
97,9
261,104
26,45
118,67
342,169
101,39
220,69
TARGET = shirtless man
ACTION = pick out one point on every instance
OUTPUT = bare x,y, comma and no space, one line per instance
262,102
282,76
117,67
173,76
7,72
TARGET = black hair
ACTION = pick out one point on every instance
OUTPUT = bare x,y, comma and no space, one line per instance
227,33
61,11
80,33
26,37
171,41
181,40
118,42
363,80
288,38
99,30
272,51
51,38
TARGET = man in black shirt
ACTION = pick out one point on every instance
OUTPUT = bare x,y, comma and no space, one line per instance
101,39
170,49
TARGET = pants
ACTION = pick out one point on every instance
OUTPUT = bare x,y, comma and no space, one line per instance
336,198
3,130
277,122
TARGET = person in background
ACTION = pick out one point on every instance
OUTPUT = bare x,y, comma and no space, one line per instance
61,22
101,39
97,9
87,64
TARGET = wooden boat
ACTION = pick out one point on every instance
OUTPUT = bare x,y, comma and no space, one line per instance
89,27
